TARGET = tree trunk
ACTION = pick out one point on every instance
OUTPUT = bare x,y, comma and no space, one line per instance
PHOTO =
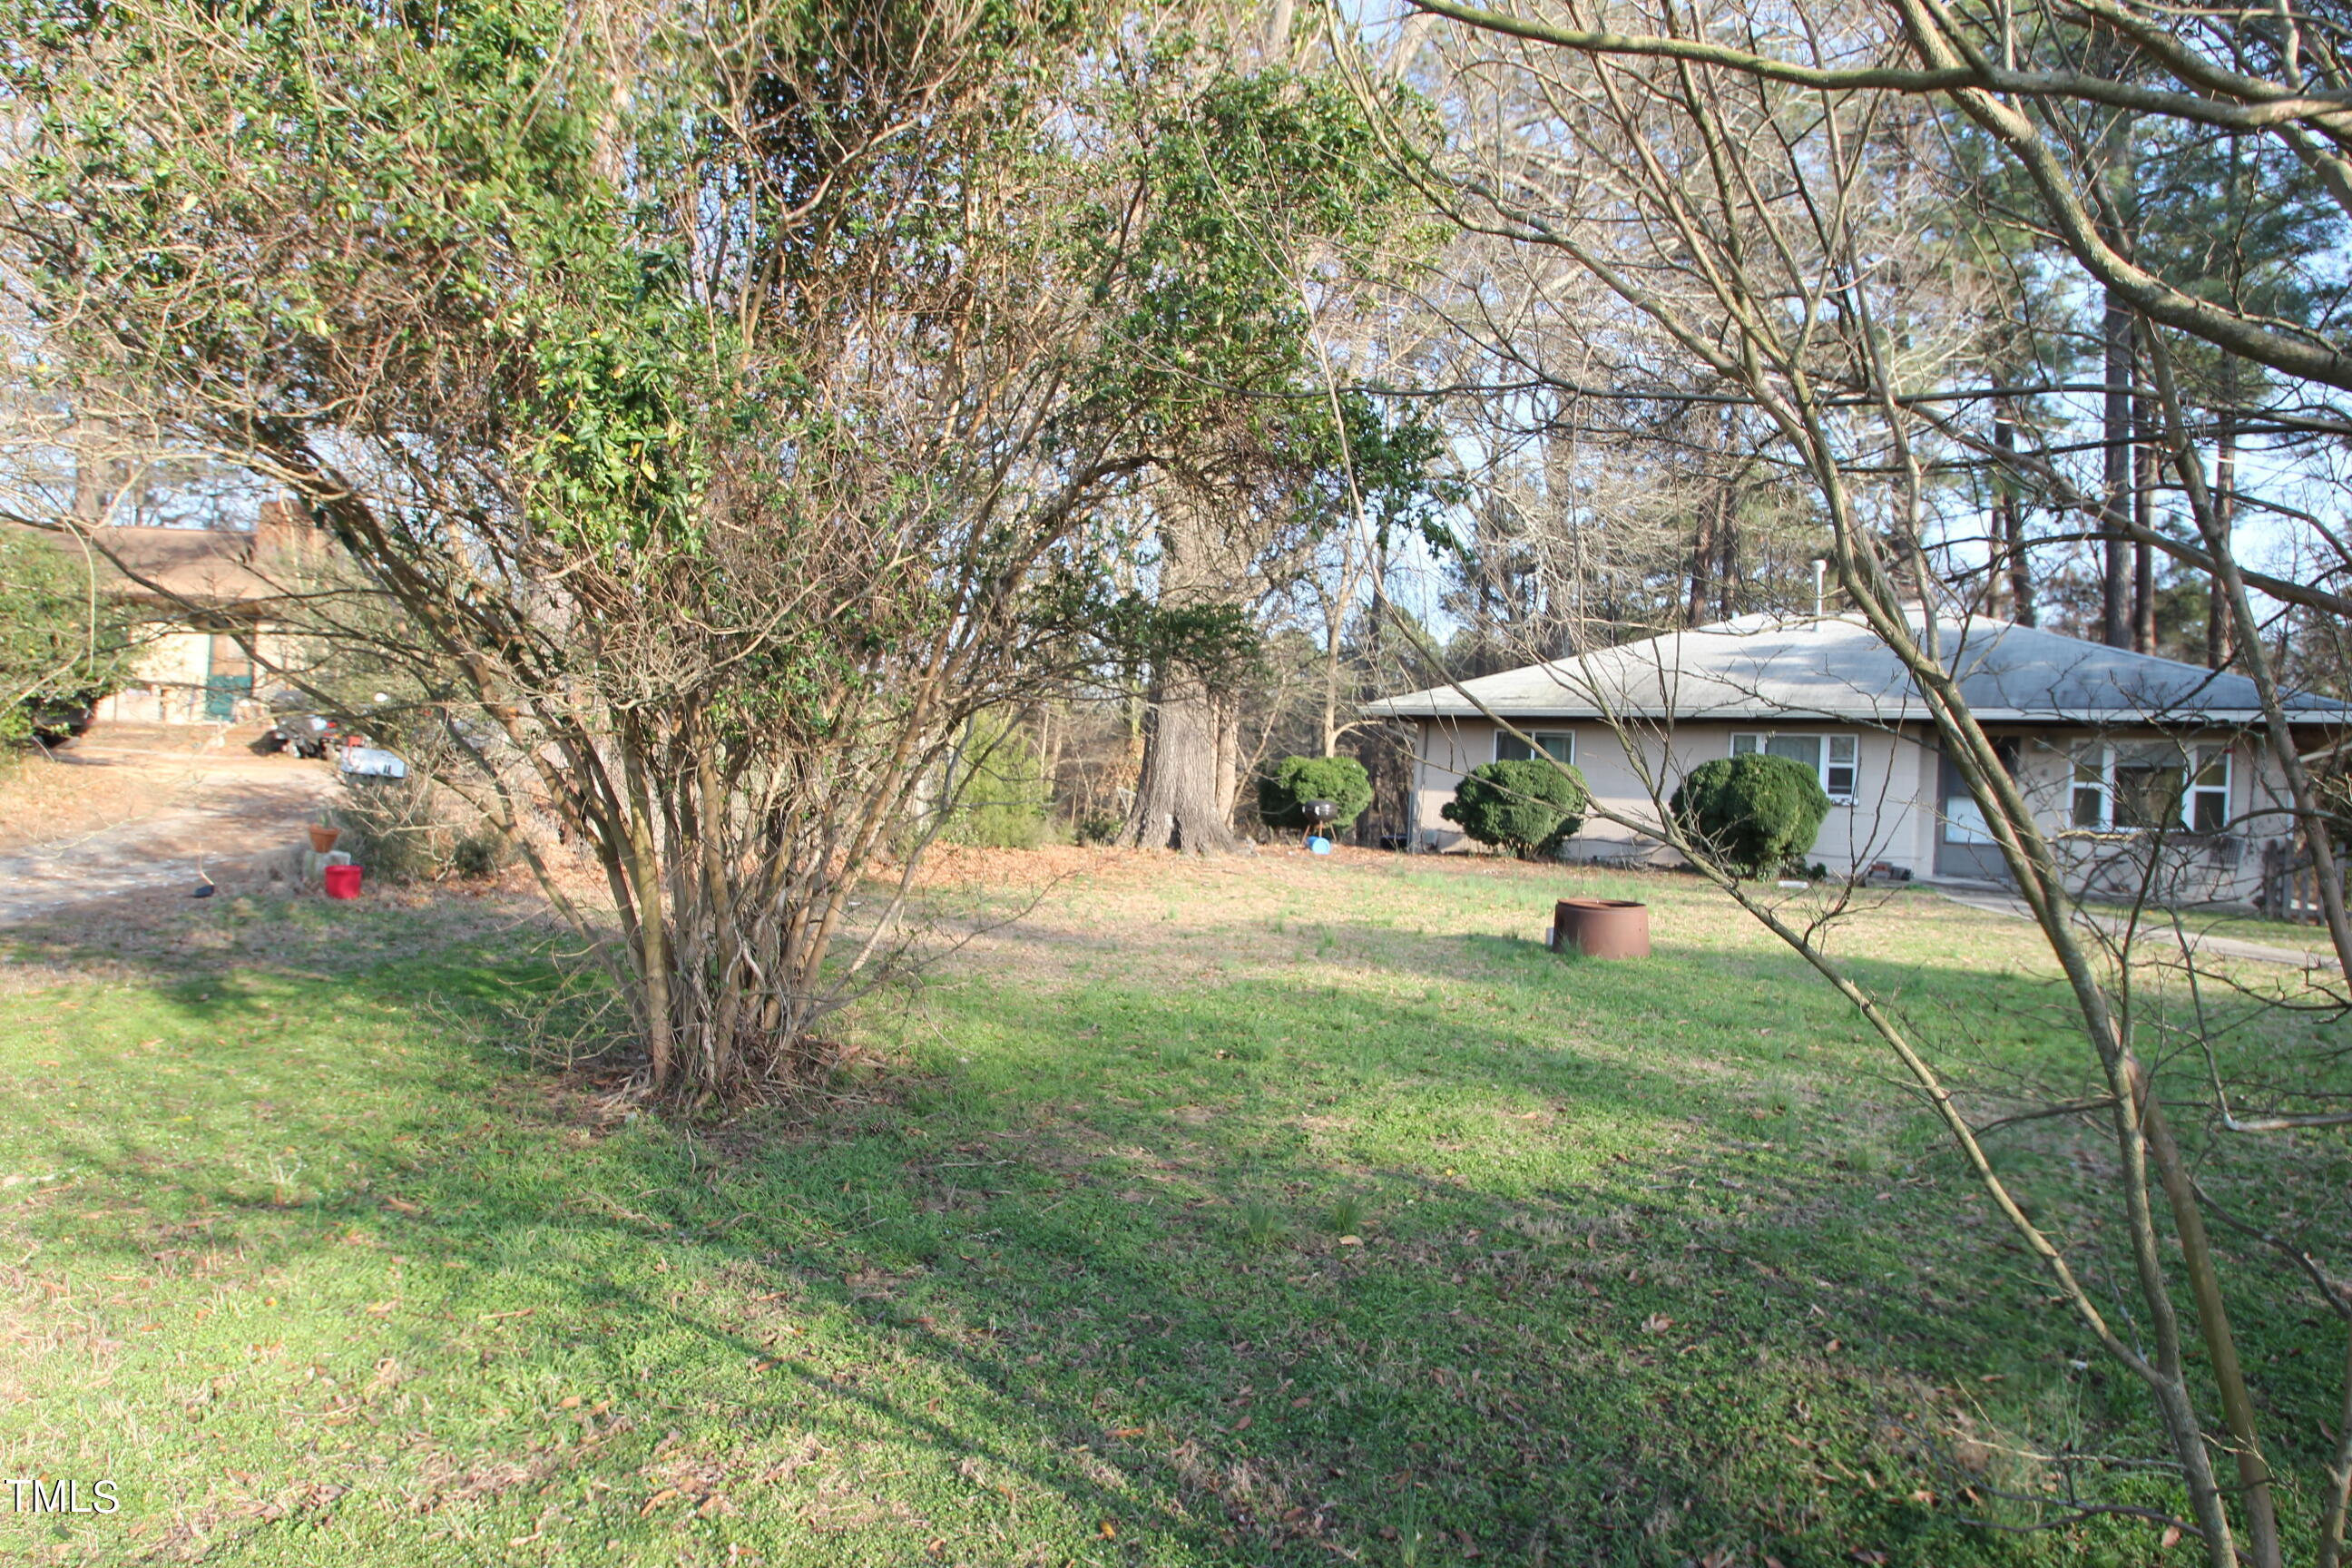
1184,798
1186,788
2115,465
1702,565
1229,759
1726,553
2116,620
2218,648
2144,515
101,475
1335,641
2010,515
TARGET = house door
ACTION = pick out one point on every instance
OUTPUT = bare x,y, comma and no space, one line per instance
1964,848
229,677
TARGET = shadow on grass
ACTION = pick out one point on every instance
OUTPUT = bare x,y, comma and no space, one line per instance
1074,1285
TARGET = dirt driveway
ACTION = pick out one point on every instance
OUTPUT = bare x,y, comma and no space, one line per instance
128,808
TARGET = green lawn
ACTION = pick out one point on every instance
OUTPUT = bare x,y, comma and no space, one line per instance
1277,1212
2165,928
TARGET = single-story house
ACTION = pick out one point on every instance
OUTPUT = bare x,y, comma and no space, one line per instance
2119,751
199,597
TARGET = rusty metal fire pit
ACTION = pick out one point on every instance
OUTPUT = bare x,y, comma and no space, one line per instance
1602,928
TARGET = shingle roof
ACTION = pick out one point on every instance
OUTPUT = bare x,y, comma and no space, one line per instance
1835,668
195,565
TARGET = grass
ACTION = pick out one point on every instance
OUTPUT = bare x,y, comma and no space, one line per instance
1279,1212
2157,927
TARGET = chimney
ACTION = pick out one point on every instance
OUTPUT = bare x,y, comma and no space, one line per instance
282,532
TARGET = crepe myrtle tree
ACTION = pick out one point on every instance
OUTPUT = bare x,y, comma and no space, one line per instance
727,404
1665,196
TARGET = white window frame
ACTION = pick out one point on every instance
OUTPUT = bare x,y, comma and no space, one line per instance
1502,735
2196,755
1830,741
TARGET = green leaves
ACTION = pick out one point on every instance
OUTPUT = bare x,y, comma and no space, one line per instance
1755,813
53,653
1530,808
1251,188
1295,780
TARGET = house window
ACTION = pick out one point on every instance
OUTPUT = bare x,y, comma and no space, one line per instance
1835,759
1560,745
2209,789
2145,785
2090,788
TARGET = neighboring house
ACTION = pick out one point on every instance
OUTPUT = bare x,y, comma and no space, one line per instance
2121,754
193,592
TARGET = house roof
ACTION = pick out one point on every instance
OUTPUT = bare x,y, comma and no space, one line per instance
198,565
1760,668
178,566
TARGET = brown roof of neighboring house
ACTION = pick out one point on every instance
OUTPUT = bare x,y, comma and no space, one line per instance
202,565
215,567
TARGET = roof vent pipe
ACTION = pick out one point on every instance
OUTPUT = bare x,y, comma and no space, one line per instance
1820,569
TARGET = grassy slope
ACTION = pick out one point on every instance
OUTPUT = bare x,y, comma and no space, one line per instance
1650,1263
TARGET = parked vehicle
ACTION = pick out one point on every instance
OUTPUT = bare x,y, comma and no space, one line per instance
60,721
305,733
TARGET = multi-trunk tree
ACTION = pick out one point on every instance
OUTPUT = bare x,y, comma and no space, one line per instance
730,405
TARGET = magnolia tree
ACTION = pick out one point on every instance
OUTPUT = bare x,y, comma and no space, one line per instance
728,402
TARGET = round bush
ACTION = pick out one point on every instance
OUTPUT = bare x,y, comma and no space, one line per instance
1530,808
1756,813
1339,780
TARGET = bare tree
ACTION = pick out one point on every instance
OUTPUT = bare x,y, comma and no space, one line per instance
1751,186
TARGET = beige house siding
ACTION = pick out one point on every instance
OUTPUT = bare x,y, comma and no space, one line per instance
1894,817
169,677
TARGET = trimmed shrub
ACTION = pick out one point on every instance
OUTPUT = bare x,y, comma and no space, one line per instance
1342,781
1757,812
1530,808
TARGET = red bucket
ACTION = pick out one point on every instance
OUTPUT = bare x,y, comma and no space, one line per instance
342,881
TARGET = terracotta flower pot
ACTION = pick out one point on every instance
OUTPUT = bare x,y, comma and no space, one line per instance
1602,928
322,839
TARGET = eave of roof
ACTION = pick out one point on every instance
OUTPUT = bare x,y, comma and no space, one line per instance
1389,709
